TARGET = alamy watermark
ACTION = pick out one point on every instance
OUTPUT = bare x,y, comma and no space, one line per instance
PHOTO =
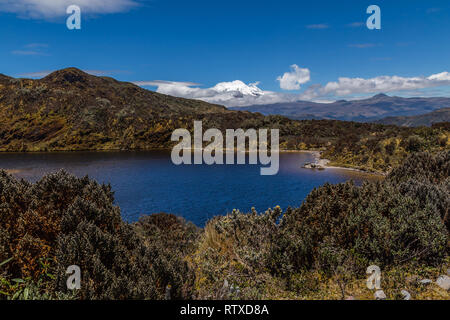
73,22
374,21
235,144
374,280
74,279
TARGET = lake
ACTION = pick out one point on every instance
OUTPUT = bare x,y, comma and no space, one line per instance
147,182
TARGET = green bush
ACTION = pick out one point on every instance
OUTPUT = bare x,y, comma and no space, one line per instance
236,250
63,220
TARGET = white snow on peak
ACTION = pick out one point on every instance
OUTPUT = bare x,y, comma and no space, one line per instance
238,86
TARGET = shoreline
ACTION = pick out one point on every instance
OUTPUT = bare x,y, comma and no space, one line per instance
321,164
12,171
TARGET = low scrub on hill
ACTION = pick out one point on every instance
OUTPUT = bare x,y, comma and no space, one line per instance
317,251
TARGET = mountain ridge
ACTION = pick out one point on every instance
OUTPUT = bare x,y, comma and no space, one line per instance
365,110
427,119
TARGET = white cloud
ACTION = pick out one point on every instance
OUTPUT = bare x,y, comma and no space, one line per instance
362,45
294,79
45,9
157,83
319,26
348,86
28,53
37,74
237,93
32,49
44,73
356,24
443,76
36,45
231,94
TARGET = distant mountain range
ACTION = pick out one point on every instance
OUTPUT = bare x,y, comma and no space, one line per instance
428,119
366,110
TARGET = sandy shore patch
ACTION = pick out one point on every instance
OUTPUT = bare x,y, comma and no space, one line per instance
12,171
321,164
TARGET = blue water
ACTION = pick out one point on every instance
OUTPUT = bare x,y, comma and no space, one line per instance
148,182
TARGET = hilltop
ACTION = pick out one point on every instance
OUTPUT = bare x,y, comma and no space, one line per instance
72,110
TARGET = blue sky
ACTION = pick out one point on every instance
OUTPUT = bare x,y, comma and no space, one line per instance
244,46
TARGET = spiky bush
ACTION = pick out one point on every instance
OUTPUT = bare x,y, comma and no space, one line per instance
374,223
170,240
63,220
233,255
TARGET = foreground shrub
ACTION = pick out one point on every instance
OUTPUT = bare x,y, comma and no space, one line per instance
233,256
63,220
425,177
170,240
374,224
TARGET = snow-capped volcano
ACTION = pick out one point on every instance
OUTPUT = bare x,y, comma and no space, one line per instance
230,94
239,88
